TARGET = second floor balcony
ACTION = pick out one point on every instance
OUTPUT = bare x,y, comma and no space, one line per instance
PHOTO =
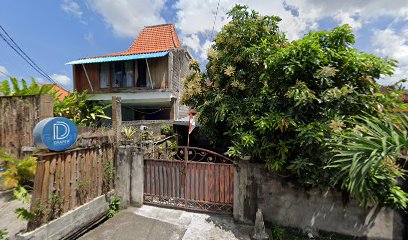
145,74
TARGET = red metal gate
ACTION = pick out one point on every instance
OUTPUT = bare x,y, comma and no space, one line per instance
189,178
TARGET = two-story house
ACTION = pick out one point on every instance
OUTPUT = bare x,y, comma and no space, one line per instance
147,76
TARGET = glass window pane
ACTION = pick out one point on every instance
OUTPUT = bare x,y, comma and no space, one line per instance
103,76
118,75
129,74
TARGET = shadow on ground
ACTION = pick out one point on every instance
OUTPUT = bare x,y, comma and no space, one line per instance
127,225
227,224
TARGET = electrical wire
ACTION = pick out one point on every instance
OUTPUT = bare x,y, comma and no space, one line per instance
161,109
5,74
215,18
23,55
21,50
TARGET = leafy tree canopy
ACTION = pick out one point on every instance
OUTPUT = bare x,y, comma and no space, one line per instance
76,106
277,101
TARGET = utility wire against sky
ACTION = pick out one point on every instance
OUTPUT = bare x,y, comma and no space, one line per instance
215,18
5,74
9,41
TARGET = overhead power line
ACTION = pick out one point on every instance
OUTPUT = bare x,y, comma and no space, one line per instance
5,74
10,41
215,18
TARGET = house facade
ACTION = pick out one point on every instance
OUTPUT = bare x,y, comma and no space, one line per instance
147,76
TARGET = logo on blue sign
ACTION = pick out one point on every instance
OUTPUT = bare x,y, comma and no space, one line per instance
56,134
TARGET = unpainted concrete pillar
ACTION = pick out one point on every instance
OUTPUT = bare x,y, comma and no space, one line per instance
46,106
123,163
137,178
117,117
240,182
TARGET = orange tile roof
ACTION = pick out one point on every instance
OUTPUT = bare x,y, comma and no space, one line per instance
155,39
152,39
60,91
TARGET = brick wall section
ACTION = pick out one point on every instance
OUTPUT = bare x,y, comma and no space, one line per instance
18,117
285,204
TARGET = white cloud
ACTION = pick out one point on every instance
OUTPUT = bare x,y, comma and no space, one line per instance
128,17
40,80
4,72
89,37
195,17
72,7
192,41
350,19
392,44
64,80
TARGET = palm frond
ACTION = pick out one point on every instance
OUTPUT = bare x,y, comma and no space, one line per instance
367,159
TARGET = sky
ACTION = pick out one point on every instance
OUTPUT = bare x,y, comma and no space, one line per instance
54,32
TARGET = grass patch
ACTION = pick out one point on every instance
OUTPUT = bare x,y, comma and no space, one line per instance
287,233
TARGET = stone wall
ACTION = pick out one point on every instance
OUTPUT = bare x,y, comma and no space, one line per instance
285,204
18,117
153,125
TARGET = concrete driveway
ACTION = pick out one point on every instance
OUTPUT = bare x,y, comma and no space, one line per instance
153,223
8,219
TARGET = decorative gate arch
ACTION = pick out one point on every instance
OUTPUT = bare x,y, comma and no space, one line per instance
189,178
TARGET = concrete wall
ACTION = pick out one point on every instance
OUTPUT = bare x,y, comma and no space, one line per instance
153,125
18,117
70,222
284,204
130,172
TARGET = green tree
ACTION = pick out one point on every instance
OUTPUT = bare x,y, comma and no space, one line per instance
16,90
76,106
277,101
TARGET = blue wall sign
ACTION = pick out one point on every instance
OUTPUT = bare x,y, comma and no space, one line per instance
56,134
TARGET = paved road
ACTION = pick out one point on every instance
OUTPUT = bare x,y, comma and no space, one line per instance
8,220
153,223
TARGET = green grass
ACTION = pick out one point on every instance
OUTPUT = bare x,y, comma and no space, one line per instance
286,233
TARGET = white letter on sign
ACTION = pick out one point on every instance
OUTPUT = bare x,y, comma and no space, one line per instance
57,134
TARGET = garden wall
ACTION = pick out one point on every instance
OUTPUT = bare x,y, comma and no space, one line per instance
18,117
153,125
285,204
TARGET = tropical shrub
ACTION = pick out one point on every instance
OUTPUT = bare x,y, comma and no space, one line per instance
16,90
114,206
277,101
18,172
166,130
78,108
370,158
128,132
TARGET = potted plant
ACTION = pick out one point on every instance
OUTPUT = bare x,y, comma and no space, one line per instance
128,133
166,130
